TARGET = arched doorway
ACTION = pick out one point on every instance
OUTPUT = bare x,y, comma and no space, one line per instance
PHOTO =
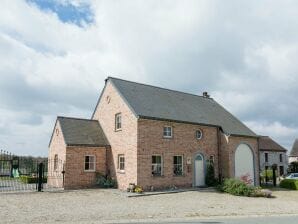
244,162
199,171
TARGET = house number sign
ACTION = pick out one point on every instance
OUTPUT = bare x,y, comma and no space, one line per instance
188,160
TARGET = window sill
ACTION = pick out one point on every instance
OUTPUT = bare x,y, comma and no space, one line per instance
121,171
164,137
158,176
182,175
89,171
116,130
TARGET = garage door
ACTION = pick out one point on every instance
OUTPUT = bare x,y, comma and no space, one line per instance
244,162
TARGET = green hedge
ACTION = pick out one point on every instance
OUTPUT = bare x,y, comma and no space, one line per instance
31,180
289,184
237,187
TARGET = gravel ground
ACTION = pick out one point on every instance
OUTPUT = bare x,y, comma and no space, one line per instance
96,206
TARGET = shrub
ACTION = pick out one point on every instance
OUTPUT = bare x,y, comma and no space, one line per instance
246,179
269,175
210,176
31,180
138,189
105,181
237,187
289,184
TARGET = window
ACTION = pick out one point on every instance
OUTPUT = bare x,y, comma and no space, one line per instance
156,165
199,134
89,163
167,132
266,157
178,165
118,121
280,158
56,162
121,162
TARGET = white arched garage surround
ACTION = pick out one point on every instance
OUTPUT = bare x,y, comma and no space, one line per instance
244,162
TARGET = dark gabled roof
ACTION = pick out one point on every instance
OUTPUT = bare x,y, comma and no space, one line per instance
294,151
158,103
82,132
268,144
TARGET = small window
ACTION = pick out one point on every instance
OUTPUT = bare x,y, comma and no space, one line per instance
280,158
266,157
118,121
167,132
121,162
89,163
178,165
156,165
56,162
199,134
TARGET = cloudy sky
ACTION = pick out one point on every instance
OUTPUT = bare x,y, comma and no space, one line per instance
55,55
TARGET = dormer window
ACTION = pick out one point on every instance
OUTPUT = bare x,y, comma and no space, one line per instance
167,132
118,122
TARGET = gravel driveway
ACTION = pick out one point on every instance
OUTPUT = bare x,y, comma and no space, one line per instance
92,206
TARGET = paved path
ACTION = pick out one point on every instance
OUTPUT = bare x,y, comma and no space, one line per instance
112,206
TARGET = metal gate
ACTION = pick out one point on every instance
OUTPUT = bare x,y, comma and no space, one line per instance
27,174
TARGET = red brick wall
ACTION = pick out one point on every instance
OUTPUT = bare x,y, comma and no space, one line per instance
184,142
122,142
75,174
228,148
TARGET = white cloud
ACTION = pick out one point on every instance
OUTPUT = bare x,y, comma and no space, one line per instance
243,52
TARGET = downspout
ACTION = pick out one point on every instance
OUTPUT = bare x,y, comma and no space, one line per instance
219,155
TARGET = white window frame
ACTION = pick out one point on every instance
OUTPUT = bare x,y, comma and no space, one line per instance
182,165
161,165
281,158
118,123
89,170
199,130
166,131
119,162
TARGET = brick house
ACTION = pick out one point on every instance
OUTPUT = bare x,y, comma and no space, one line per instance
152,136
272,153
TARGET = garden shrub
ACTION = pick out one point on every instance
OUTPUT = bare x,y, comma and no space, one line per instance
289,184
105,181
237,187
210,176
269,175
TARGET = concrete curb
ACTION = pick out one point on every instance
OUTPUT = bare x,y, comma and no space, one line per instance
131,195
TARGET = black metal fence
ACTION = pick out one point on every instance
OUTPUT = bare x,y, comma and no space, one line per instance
25,173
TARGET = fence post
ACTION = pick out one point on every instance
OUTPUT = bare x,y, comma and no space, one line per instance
40,176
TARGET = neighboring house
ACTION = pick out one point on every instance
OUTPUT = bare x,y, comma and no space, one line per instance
293,157
152,136
272,153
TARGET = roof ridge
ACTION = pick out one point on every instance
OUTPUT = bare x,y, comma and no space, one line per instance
158,87
76,118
